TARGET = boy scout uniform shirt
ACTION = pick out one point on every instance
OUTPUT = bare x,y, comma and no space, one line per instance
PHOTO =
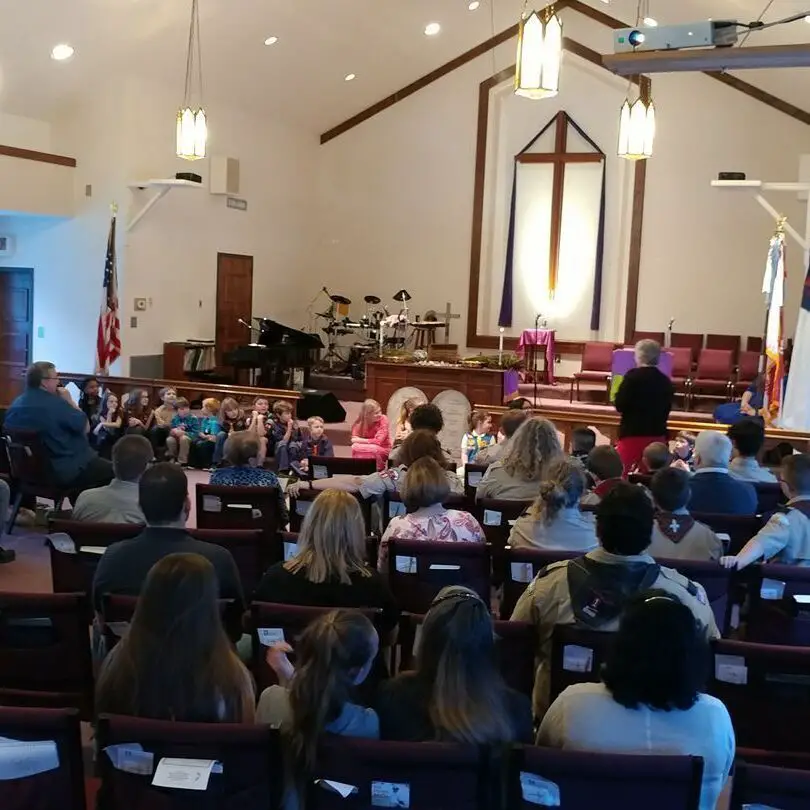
785,538
547,603
678,536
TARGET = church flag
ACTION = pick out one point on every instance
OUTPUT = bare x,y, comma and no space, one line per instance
773,286
796,408
108,335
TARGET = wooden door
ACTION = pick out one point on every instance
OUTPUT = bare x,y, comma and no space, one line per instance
16,329
234,301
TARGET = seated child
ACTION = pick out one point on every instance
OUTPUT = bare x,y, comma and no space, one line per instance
163,419
479,437
138,413
231,419
108,429
242,452
656,457
683,451
403,426
605,468
371,434
554,521
90,402
583,440
284,432
184,428
785,538
258,423
748,437
204,440
676,534
316,443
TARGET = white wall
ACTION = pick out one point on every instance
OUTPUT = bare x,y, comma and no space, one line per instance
25,133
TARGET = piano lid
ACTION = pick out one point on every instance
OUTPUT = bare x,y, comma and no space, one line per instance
273,334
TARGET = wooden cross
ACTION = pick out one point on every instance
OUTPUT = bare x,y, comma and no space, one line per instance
559,158
448,316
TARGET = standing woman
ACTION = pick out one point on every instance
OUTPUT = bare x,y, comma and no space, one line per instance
138,413
371,435
644,400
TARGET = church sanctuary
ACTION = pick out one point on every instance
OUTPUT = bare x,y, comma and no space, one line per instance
405,405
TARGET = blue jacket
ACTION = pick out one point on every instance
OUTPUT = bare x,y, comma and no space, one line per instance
720,493
61,427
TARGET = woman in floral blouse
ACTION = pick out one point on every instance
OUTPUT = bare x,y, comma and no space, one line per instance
423,491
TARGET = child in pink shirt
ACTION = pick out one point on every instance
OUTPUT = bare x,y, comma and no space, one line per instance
371,434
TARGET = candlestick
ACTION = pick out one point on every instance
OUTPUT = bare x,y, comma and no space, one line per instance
500,347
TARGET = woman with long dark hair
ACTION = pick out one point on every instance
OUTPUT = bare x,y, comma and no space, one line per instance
176,662
456,691
90,400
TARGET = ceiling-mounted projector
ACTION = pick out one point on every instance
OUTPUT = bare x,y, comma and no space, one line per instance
705,34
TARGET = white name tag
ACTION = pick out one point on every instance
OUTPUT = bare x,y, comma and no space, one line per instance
730,669
441,567
492,518
290,550
474,478
537,790
211,503
336,787
577,659
396,508
522,572
319,471
772,589
302,507
802,598
21,758
62,542
118,629
183,774
390,794
270,635
97,550
131,757
405,565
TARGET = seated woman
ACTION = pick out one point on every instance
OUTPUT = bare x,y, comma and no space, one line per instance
517,477
242,451
138,413
330,567
181,669
650,699
752,402
555,521
371,434
423,493
333,656
456,692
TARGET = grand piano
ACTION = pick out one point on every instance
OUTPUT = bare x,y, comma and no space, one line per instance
282,356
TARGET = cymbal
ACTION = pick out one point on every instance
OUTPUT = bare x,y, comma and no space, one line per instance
371,299
402,295
340,299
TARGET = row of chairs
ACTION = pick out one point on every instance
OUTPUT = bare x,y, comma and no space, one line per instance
422,776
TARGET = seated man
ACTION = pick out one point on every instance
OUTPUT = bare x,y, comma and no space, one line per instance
676,534
786,536
713,488
510,422
118,501
47,408
163,498
748,437
591,591
605,469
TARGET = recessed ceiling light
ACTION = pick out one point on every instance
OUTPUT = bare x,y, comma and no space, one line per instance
431,29
271,41
650,22
474,5
61,52
349,77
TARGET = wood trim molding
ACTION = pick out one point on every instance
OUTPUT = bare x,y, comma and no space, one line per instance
39,157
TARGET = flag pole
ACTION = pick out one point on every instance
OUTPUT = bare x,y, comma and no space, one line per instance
763,355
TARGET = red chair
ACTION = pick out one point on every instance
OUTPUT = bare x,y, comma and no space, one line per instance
769,497
605,781
472,477
753,344
764,786
681,369
658,337
522,565
248,548
58,789
739,528
714,373
747,370
572,666
496,517
45,652
716,581
418,570
597,366
437,775
775,759
689,340
779,612
728,342
252,773
301,503
763,686
327,467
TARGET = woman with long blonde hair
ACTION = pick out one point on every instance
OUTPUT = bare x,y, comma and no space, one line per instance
371,434
329,566
555,520
518,475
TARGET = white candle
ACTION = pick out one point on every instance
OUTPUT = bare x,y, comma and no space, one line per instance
500,347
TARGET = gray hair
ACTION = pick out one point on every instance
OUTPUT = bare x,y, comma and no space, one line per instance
713,449
37,372
648,352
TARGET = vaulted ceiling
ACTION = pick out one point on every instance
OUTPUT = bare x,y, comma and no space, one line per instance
300,77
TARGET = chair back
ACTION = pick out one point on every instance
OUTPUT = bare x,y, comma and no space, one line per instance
754,344
522,565
577,656
61,787
716,581
252,772
327,467
45,652
289,542
776,759
420,775
765,786
714,364
572,780
739,528
419,569
271,622
473,473
28,459
688,340
769,497
658,337
393,506
597,356
248,549
644,479
496,517
255,508
730,343
681,362
748,366
779,610
764,688
100,535
301,504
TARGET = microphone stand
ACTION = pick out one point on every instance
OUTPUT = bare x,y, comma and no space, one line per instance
534,355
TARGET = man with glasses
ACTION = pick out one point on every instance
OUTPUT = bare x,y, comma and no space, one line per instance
46,408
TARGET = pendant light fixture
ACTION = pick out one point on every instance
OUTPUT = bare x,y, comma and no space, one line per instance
539,53
637,118
192,123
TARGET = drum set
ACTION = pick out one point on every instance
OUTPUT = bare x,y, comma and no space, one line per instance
377,329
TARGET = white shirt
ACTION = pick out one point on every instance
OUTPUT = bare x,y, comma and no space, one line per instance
585,717
749,469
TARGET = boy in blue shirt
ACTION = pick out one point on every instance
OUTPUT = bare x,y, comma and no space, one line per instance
205,439
185,427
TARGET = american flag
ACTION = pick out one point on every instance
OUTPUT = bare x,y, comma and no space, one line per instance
108,339
774,288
